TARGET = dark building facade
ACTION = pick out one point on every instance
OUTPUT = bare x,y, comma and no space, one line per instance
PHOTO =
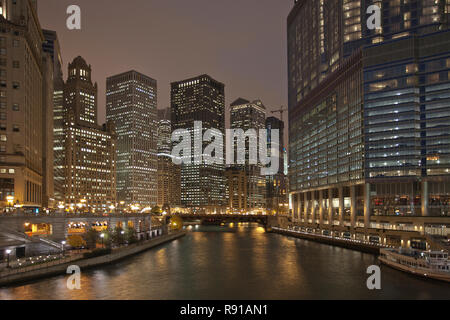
236,190
277,185
369,119
200,99
246,115
169,175
51,46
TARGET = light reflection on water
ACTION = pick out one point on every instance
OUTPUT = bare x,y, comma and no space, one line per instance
236,263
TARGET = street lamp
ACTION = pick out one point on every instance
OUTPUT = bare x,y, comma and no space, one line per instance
102,236
8,252
63,243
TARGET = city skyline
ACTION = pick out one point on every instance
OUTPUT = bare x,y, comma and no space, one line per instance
158,205
227,57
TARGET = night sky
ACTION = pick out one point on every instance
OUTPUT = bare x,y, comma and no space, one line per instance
241,43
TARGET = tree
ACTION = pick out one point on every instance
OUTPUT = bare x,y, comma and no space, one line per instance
92,237
107,238
131,236
176,223
156,210
118,236
76,241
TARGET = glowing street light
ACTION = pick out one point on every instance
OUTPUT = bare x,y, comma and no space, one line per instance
8,252
63,243
102,236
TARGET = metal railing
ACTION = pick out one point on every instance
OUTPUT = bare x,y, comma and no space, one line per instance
38,266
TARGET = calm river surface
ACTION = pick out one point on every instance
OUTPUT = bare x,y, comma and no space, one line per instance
241,262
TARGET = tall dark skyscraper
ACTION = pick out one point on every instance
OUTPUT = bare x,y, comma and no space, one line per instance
131,101
277,185
51,46
369,119
248,115
169,175
200,99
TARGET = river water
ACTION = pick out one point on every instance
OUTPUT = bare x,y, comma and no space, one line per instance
239,262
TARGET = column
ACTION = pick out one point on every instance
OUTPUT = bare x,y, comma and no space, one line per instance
321,207
313,208
341,206
307,207
330,207
293,198
353,206
424,198
367,206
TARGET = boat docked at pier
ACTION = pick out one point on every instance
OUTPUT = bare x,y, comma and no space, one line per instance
428,264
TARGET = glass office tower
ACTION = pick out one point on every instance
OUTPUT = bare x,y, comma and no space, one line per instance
370,119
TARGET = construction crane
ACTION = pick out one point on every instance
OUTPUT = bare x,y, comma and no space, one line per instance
281,111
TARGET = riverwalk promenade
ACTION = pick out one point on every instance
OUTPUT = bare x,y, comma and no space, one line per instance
58,267
358,245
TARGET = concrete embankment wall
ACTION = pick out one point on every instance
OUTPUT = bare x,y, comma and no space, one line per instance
363,247
84,264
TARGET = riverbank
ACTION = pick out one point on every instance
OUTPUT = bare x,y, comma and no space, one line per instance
343,243
14,277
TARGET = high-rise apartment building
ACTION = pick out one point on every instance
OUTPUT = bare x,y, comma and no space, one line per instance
26,87
200,99
90,149
248,115
169,175
277,184
369,120
131,102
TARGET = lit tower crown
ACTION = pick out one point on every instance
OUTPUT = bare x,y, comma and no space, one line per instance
81,93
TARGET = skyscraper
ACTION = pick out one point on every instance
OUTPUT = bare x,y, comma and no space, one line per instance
200,99
236,189
369,124
51,46
277,192
25,88
169,175
131,101
248,115
90,149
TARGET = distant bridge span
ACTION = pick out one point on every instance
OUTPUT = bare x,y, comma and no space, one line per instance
225,218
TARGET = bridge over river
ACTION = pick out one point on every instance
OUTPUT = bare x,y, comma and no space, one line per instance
218,219
56,227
